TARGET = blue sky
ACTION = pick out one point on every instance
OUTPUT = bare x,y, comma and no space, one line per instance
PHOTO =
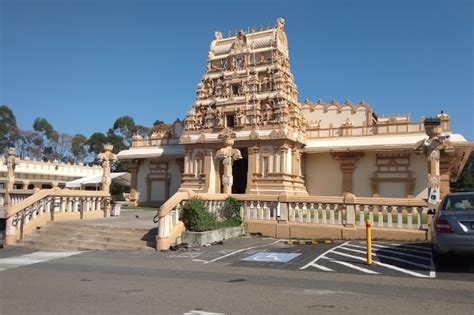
82,64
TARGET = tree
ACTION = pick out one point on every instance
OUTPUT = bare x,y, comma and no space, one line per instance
96,143
123,127
158,122
28,144
79,148
42,126
465,181
7,127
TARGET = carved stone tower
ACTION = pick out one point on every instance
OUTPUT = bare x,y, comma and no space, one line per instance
248,95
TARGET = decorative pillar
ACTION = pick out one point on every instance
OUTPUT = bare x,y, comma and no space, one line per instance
253,156
106,158
207,168
10,180
347,162
432,148
133,166
284,157
228,156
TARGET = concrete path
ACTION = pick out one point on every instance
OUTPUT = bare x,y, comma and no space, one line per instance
129,218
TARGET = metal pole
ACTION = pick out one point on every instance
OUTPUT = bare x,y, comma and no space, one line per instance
368,231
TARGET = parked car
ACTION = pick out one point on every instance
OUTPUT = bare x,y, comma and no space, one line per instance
452,231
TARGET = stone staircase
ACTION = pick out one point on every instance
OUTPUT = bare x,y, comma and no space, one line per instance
60,236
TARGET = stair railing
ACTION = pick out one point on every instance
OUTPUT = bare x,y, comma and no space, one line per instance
53,205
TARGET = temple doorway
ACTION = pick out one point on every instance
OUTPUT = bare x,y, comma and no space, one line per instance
239,173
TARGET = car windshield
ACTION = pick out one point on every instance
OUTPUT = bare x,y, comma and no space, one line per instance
459,203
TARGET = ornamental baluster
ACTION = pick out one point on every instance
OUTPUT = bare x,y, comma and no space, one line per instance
371,213
266,211
340,212
400,218
331,215
390,218
410,218
292,212
325,213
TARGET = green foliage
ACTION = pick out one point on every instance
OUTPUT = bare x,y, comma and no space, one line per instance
158,122
465,181
196,216
7,128
78,147
42,126
231,210
96,142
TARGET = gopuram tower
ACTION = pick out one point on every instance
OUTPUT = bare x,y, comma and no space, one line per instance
245,131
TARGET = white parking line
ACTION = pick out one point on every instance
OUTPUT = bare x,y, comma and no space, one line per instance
403,270
392,258
321,267
345,263
322,255
425,249
394,252
33,258
238,251
422,251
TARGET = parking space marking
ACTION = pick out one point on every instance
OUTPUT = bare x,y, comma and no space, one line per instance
345,263
409,262
321,267
420,248
401,248
413,256
310,264
393,252
239,251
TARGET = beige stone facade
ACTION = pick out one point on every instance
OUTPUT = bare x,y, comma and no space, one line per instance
247,133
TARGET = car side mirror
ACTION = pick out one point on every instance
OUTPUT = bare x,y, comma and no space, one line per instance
431,211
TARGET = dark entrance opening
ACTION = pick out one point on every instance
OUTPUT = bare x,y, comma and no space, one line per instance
239,172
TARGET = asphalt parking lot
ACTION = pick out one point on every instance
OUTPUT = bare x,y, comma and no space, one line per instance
394,259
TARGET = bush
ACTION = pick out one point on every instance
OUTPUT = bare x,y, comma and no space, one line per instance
196,217
231,211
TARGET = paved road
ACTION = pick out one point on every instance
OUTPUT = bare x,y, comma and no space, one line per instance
233,278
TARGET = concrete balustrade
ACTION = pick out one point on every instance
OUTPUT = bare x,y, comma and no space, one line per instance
307,216
55,204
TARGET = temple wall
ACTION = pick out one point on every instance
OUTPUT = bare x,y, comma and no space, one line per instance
175,173
158,187
333,118
143,171
420,167
361,176
323,175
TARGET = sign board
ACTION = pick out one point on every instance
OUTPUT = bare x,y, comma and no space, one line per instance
271,257
434,196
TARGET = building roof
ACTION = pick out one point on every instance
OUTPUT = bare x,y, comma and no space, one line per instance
151,152
375,142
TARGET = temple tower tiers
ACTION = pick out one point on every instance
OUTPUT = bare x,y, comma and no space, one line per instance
245,131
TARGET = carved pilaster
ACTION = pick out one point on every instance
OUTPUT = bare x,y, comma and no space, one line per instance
446,168
347,162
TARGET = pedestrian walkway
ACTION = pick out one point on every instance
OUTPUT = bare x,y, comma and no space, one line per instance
32,258
406,259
